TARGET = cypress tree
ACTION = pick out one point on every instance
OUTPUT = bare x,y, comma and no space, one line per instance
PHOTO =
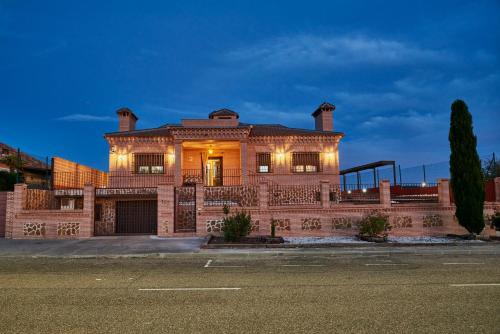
465,169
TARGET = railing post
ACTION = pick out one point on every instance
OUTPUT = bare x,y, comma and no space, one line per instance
497,189
243,162
385,193
444,192
199,196
264,195
165,210
325,193
87,231
178,163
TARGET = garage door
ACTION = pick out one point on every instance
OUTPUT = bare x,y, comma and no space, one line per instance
136,217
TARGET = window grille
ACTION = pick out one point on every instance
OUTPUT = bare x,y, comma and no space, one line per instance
305,162
264,163
149,163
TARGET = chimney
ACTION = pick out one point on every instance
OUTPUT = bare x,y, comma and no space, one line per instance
323,117
126,119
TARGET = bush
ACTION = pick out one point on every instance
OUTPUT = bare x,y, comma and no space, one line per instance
375,224
495,221
237,226
7,181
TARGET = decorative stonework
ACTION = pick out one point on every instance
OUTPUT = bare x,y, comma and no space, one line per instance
244,196
255,226
215,225
432,221
282,224
310,224
165,226
402,222
342,223
280,195
34,229
68,229
105,225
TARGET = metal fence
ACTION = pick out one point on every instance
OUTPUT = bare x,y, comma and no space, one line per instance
414,192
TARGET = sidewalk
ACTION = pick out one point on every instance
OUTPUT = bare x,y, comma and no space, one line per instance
100,246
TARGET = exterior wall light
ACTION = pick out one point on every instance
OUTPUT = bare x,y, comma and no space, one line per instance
349,191
424,184
280,157
364,190
210,151
122,157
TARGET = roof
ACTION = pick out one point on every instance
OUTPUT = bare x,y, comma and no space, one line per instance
257,130
29,161
223,112
371,165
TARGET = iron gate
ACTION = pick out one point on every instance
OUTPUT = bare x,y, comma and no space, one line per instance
137,216
185,209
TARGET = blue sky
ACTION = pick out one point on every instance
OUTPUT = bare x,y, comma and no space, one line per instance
392,68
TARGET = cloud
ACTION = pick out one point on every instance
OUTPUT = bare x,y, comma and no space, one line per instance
336,51
270,114
85,118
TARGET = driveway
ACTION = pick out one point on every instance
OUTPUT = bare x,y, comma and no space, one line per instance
100,246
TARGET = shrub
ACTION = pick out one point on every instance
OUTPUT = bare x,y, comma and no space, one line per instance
7,181
374,224
237,226
495,221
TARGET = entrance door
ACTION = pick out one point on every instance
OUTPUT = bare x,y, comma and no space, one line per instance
213,172
136,217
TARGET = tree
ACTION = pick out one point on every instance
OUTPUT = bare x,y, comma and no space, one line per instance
465,169
14,162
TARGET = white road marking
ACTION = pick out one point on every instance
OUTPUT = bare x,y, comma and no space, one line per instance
98,279
188,289
208,263
475,284
303,265
386,264
462,263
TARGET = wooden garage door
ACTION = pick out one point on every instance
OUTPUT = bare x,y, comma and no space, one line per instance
136,217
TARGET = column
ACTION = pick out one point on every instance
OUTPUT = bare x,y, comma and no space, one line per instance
497,189
385,193
263,195
17,207
444,192
87,228
178,163
165,210
244,161
325,194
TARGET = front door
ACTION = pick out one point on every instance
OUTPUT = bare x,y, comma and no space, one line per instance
213,172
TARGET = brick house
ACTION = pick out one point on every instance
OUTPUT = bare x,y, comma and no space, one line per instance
221,150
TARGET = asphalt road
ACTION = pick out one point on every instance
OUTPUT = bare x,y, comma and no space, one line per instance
428,291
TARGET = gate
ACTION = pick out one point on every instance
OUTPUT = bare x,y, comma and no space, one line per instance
185,209
137,216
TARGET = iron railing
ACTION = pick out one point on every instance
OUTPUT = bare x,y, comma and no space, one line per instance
414,192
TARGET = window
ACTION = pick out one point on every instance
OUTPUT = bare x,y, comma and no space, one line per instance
264,162
148,163
67,203
305,162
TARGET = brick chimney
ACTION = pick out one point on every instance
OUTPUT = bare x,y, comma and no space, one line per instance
323,117
126,119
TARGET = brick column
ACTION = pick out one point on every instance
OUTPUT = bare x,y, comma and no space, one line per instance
325,194
444,192
165,210
20,190
497,189
243,161
263,195
178,163
87,229
385,193
9,215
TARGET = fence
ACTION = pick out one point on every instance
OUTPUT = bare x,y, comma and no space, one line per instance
38,199
414,192
359,193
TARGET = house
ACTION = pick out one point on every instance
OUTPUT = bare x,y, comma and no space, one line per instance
33,171
222,151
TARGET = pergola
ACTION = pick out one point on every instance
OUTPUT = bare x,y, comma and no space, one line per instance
373,166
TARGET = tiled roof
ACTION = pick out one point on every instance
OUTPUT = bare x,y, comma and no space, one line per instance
223,112
257,130
29,161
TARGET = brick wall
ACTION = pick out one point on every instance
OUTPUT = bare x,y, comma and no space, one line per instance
3,212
